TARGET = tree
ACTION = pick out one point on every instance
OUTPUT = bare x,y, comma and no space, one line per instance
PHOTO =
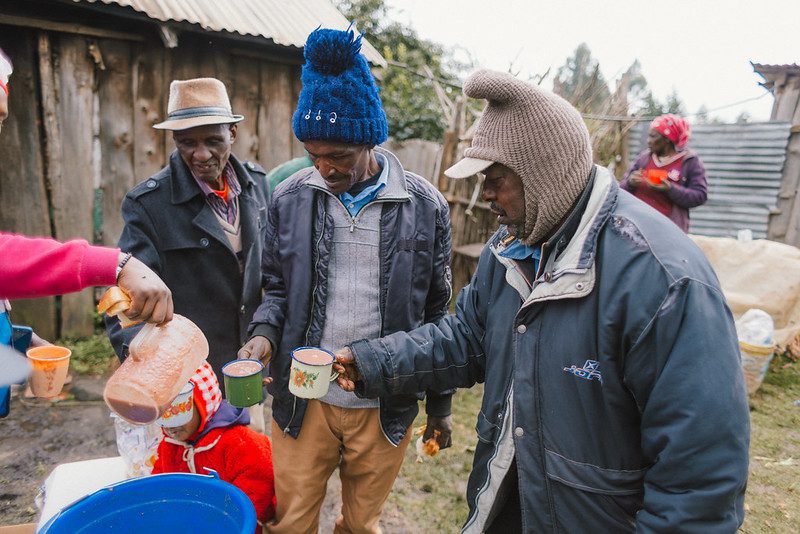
653,108
580,82
743,118
701,117
409,97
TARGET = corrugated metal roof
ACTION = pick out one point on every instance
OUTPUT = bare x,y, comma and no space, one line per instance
285,22
744,166
763,67
770,72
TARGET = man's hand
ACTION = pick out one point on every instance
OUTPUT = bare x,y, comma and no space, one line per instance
445,427
345,365
151,299
635,178
258,348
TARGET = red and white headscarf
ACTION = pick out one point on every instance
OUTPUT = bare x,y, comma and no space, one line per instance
6,68
207,395
674,128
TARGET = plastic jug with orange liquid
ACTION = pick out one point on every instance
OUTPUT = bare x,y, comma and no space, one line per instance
160,361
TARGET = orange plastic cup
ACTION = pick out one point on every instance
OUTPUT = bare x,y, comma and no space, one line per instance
656,176
50,365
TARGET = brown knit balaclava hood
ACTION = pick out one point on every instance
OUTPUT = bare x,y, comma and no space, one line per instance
540,137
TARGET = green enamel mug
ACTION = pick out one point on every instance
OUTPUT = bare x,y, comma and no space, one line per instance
243,383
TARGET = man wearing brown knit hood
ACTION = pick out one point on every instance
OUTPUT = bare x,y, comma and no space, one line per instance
553,163
613,393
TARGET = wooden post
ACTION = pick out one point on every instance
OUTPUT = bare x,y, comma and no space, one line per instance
275,108
115,112
451,140
150,88
784,223
620,108
624,155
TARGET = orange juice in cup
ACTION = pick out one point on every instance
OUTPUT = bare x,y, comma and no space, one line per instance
656,176
50,365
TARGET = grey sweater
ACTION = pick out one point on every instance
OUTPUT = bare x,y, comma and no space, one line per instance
352,311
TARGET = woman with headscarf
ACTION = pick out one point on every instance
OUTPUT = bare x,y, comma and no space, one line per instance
668,176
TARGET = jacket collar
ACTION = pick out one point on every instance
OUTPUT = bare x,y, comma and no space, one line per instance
184,187
568,271
396,188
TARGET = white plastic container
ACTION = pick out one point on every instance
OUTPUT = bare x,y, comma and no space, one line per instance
755,330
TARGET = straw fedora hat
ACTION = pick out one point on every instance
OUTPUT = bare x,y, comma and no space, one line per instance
197,102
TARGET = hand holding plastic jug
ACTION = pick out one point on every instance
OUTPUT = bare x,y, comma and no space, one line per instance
161,358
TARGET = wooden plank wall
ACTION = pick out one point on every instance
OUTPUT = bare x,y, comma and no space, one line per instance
82,111
418,156
23,196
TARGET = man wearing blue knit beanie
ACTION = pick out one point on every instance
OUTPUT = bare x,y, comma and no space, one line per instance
356,248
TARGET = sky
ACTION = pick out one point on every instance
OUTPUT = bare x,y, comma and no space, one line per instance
702,49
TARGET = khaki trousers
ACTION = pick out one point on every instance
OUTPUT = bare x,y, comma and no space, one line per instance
331,436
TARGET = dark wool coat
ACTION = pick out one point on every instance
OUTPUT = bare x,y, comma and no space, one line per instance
172,229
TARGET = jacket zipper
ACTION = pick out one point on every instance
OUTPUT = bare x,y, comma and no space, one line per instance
509,413
311,312
353,220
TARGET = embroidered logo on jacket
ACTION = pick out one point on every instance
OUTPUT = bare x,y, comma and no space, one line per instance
589,371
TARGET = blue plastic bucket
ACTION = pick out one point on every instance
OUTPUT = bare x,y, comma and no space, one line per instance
171,502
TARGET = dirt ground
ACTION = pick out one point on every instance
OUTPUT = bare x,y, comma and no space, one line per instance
38,435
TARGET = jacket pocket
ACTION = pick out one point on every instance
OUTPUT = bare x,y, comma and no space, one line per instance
487,431
171,243
610,497
588,477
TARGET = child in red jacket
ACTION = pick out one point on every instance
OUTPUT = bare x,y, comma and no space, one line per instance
202,430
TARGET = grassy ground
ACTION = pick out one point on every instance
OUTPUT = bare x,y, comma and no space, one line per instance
773,495
431,494
91,355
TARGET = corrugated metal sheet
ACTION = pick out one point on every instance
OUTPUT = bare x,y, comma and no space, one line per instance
744,164
286,22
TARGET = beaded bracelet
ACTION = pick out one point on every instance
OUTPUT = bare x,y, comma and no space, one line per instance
122,263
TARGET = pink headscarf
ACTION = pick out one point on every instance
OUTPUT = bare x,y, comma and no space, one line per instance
674,128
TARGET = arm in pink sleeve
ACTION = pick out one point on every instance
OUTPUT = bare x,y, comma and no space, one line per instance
39,267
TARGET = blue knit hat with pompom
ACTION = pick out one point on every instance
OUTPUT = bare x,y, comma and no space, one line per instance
339,100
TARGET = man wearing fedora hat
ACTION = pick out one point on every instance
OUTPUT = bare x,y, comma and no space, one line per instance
199,221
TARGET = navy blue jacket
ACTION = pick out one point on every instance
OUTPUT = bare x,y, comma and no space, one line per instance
615,383
415,284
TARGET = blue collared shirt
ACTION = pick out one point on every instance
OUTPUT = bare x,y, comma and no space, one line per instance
517,250
355,203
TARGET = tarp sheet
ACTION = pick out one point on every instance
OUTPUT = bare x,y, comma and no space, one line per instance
759,274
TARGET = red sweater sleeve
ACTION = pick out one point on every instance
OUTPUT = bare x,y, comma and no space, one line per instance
39,267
